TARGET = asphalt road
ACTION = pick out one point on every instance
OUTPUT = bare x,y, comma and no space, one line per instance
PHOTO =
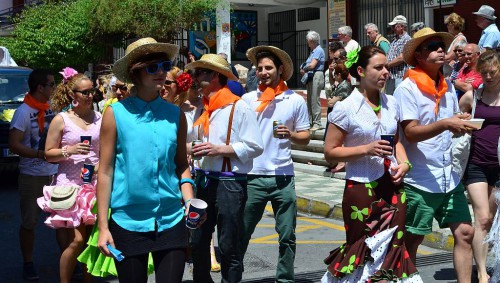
315,238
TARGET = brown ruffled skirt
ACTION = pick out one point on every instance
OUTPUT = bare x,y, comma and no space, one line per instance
374,215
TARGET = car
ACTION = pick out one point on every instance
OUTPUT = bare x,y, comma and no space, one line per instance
13,88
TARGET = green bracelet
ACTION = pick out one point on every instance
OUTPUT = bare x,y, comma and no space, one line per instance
407,162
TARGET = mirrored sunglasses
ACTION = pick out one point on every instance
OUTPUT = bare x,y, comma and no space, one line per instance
154,68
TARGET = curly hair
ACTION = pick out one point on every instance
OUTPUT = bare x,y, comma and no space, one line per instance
181,97
61,97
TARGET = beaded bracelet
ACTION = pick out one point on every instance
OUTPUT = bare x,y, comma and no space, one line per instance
65,152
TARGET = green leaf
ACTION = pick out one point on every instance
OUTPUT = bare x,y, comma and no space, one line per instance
365,211
352,259
370,192
371,185
360,217
403,197
400,234
354,215
344,269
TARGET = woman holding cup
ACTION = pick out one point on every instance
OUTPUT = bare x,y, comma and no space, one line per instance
374,202
144,188
483,170
73,143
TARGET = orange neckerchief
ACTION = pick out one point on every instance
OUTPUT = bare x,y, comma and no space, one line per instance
269,93
427,85
41,107
222,98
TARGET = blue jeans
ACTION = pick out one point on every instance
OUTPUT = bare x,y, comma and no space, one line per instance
225,194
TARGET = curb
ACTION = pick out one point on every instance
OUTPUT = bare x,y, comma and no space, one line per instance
436,239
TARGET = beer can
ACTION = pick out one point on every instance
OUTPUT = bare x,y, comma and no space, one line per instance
276,124
196,157
87,173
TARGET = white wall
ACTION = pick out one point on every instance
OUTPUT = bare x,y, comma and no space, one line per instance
5,4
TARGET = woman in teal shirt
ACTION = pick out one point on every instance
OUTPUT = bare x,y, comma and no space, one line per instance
144,176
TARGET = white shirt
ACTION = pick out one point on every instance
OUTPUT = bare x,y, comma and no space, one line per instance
351,45
291,109
245,138
355,116
191,117
431,158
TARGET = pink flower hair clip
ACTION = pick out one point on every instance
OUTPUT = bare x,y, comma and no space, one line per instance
68,73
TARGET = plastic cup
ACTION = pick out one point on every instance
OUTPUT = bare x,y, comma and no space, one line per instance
196,211
87,173
390,139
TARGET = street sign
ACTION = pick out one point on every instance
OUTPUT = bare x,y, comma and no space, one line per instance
435,3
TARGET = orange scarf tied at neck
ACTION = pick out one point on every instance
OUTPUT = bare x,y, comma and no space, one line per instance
40,106
269,93
428,85
220,99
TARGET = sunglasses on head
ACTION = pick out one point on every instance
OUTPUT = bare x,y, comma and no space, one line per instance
119,87
169,82
87,92
435,45
154,68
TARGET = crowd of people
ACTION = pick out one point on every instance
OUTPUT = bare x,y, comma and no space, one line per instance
394,108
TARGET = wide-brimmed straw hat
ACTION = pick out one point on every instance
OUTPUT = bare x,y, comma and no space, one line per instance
215,63
63,197
138,49
282,55
419,37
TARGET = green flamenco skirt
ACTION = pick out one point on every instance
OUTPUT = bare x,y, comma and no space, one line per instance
98,264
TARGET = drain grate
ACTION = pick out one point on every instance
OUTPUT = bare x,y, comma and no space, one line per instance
433,259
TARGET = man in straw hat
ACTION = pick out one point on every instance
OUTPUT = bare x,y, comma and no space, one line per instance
427,105
272,176
490,37
231,140
397,66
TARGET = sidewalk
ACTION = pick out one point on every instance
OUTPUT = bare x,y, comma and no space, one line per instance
322,196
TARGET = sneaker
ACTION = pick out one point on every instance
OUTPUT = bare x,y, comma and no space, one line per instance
29,272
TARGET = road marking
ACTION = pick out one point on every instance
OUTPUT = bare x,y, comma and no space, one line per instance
303,228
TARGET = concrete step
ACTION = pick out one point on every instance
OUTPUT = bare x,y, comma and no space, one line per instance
313,146
317,170
307,157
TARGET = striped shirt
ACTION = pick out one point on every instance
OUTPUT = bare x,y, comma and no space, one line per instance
395,50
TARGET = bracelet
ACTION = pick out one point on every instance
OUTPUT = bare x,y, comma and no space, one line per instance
407,162
65,152
187,180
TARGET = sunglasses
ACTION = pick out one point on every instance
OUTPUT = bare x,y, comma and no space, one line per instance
169,82
198,72
335,58
86,92
435,45
154,68
458,50
119,87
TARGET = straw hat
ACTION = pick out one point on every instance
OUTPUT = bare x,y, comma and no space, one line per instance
138,49
63,197
419,37
215,63
282,55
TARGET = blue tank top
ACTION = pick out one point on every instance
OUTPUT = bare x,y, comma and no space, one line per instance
145,188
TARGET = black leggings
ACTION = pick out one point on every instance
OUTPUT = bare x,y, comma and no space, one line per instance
169,267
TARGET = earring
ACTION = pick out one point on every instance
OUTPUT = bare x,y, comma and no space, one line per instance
362,75
74,103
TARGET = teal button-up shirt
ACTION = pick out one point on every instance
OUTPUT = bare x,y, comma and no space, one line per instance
145,185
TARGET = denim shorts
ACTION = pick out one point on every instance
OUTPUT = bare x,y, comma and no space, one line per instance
446,208
477,174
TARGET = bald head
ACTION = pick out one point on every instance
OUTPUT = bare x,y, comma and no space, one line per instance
472,47
471,53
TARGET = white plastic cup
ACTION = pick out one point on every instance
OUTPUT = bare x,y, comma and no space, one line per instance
196,211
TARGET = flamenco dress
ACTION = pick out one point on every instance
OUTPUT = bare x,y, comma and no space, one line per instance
374,215
69,174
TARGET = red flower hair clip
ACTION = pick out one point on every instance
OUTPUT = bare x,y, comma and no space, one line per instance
184,82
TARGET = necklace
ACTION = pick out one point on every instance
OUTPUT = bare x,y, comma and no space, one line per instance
84,121
377,109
